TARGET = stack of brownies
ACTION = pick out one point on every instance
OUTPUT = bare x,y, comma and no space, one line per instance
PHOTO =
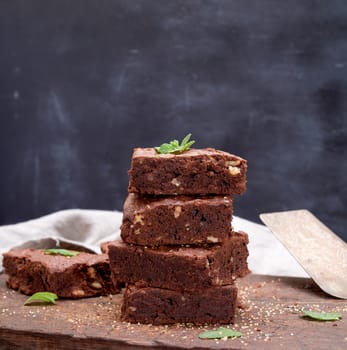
179,256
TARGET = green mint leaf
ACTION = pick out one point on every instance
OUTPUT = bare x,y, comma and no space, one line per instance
175,147
220,333
186,139
64,252
164,148
187,145
175,143
322,316
42,297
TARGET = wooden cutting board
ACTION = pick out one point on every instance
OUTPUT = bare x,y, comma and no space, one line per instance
269,317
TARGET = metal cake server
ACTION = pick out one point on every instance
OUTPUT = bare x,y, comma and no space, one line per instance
321,253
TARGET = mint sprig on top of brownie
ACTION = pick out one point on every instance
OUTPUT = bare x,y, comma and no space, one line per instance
175,147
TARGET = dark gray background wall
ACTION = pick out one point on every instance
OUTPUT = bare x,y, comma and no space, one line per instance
83,82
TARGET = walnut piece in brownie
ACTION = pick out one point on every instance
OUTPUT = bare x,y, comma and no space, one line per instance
176,220
162,306
194,172
180,267
83,275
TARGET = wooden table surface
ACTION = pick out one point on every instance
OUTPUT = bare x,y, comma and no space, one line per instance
269,317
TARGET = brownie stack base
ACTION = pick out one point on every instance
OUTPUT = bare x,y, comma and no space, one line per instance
162,306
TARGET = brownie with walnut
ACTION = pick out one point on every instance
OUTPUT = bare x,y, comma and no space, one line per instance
83,275
176,220
158,306
193,172
182,268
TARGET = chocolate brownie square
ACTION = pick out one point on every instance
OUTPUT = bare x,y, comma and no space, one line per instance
176,220
180,268
83,275
163,306
194,172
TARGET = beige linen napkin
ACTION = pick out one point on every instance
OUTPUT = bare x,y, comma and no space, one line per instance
71,229
87,229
